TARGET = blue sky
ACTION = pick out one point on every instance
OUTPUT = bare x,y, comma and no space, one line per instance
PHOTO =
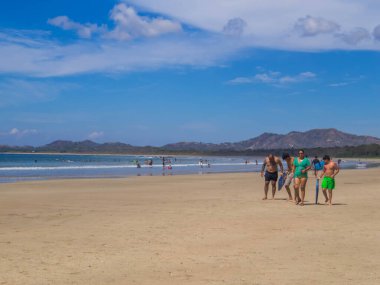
155,72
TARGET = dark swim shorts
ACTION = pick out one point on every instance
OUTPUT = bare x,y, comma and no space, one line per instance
271,176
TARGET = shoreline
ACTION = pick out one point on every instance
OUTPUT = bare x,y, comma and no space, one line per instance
163,174
375,159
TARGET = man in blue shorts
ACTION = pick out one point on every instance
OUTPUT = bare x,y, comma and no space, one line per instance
270,166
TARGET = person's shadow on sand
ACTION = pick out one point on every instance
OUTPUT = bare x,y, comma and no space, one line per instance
323,204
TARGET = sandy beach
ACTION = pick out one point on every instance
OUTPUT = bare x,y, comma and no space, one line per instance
192,229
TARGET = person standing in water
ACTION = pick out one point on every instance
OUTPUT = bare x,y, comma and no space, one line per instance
270,165
301,165
289,174
330,170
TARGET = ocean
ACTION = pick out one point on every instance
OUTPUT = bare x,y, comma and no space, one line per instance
22,167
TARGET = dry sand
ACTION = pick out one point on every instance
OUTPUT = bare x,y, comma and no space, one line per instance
210,229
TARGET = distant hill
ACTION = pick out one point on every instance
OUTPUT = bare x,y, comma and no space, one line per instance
310,139
318,139
88,146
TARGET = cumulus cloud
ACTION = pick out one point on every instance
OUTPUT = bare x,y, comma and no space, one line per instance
274,77
127,25
355,36
271,23
95,135
37,55
376,33
311,26
234,27
83,30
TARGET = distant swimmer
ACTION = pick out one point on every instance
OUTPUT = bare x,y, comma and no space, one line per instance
301,165
330,170
270,166
289,174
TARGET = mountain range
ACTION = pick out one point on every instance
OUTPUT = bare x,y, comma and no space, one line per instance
309,139
316,138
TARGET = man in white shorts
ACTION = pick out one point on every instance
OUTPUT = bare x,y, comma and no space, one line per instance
289,174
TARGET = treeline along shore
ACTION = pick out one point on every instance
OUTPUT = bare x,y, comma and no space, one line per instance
362,151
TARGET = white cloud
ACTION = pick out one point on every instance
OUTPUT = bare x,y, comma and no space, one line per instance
53,59
83,30
339,84
312,26
20,133
270,23
234,27
355,36
266,24
275,78
376,33
95,135
128,25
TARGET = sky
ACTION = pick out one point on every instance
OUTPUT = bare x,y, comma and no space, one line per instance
156,72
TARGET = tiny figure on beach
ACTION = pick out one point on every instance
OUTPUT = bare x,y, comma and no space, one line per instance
330,170
289,173
270,166
138,164
301,165
257,163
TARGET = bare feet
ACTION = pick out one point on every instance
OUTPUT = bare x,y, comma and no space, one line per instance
301,204
265,198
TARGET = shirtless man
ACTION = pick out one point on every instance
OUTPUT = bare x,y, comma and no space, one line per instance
270,164
330,170
289,174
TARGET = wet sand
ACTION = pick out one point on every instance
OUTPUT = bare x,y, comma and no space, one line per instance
192,229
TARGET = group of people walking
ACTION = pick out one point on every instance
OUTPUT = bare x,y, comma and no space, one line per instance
297,172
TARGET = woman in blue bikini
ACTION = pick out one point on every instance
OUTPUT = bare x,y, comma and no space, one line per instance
301,166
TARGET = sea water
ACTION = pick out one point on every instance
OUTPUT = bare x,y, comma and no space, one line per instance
20,167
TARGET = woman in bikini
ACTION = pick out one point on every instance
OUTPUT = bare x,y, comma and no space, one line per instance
301,166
